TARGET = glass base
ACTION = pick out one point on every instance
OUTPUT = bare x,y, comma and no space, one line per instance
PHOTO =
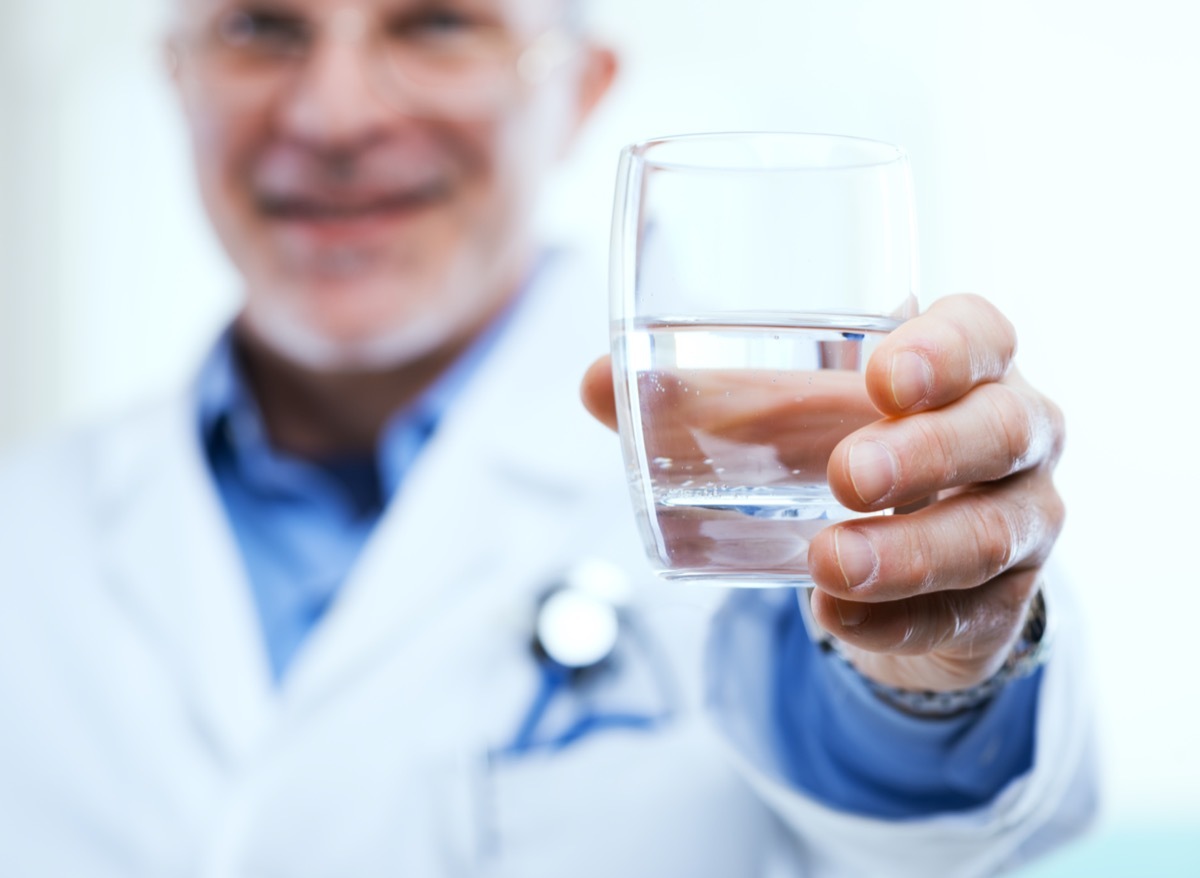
738,578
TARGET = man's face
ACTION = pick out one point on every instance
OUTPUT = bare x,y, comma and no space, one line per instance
371,166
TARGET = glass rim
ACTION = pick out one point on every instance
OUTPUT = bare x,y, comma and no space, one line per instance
886,153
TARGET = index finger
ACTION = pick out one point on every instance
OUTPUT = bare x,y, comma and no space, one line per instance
931,360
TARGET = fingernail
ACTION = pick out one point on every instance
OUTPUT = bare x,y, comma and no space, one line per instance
911,379
852,614
855,557
872,470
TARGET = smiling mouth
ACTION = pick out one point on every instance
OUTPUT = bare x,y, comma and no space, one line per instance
321,210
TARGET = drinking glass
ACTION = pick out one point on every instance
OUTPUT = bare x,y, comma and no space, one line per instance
753,274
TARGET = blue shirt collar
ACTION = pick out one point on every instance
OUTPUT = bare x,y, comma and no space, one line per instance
231,422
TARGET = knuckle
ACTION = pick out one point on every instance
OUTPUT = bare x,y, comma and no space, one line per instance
1007,333
1013,422
919,551
1055,511
1056,428
982,339
931,453
912,632
956,350
1000,326
1046,428
947,620
1051,513
1009,595
1008,603
957,619
995,537
993,359
930,623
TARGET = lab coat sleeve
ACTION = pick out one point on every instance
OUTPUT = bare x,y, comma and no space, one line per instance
1033,813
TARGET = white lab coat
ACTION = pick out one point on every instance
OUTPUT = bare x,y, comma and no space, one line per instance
141,734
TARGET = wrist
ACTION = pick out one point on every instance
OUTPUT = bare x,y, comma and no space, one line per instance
1030,650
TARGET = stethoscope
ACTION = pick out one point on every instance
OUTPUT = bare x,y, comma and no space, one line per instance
581,625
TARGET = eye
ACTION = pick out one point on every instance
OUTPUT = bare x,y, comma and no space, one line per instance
435,24
442,20
263,30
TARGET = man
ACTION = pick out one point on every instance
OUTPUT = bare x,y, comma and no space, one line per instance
280,625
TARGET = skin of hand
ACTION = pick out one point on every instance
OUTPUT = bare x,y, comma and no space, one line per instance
934,598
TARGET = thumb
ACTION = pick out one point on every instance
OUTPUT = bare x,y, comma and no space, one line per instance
597,392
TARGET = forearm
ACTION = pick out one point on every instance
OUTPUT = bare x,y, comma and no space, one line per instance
1011,819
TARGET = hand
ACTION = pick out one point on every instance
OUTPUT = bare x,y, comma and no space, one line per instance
933,599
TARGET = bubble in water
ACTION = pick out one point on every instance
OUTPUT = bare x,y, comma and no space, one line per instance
663,462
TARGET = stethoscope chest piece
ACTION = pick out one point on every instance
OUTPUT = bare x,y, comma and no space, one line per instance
578,620
578,631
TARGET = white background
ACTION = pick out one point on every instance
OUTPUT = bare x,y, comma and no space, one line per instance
1056,158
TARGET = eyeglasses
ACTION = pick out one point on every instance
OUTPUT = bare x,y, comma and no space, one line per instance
434,56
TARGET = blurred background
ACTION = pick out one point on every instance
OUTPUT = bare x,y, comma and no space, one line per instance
1056,154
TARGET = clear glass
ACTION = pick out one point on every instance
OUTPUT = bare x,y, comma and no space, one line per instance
752,277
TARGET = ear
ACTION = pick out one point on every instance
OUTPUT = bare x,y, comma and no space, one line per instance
597,72
600,68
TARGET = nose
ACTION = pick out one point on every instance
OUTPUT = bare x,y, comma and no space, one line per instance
334,103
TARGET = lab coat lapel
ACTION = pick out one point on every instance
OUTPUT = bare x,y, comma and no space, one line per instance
168,553
490,512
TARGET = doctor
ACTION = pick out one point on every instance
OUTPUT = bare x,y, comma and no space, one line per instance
282,623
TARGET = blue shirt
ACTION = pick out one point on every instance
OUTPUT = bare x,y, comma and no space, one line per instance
301,524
